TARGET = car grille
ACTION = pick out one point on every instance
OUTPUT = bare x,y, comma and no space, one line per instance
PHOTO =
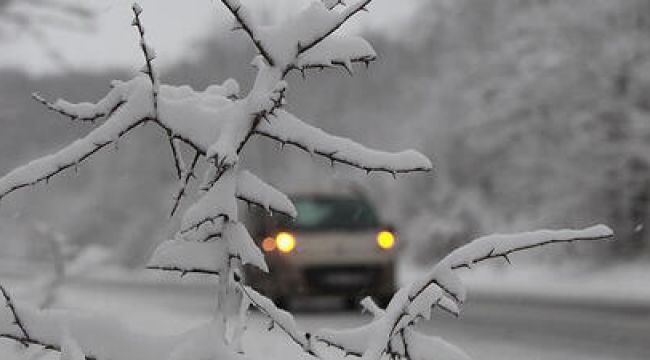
343,278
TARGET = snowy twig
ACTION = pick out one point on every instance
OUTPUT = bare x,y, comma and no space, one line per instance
288,129
346,351
334,158
268,308
495,254
90,117
45,168
343,17
149,56
365,59
273,210
399,315
208,219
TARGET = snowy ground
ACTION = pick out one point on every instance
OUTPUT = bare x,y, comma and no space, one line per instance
623,285
544,316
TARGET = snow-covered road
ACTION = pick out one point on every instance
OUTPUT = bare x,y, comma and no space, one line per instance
489,329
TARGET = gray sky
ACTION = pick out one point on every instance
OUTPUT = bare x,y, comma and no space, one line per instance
173,27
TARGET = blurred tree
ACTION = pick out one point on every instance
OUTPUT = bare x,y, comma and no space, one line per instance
544,112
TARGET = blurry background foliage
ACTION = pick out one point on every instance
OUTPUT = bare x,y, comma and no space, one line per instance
536,113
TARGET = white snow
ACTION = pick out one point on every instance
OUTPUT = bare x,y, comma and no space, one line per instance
337,49
287,128
217,204
241,244
183,255
252,189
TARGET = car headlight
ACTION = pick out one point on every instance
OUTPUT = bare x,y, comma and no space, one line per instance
285,242
385,239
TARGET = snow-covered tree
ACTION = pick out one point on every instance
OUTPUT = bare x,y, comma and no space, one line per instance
215,124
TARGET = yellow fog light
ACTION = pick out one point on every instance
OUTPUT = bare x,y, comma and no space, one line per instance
268,244
385,240
285,242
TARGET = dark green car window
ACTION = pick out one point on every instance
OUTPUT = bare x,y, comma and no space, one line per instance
321,213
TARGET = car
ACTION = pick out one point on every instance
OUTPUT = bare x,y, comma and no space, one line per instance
336,246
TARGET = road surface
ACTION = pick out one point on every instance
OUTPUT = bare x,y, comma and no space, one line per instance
490,328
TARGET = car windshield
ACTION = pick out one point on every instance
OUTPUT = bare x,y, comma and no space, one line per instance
332,213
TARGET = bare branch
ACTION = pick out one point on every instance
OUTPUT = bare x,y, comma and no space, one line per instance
245,22
184,271
44,345
10,305
186,176
176,153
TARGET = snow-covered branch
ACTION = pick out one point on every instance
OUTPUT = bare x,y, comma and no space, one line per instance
280,318
149,55
253,190
502,245
441,287
123,120
392,330
321,31
217,123
218,203
337,50
85,112
288,129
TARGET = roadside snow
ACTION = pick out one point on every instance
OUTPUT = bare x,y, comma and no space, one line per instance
615,285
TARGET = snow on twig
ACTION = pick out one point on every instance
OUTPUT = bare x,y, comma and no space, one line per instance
48,166
334,25
84,112
288,129
253,190
415,301
282,319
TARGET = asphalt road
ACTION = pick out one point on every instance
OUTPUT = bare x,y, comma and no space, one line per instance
490,328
